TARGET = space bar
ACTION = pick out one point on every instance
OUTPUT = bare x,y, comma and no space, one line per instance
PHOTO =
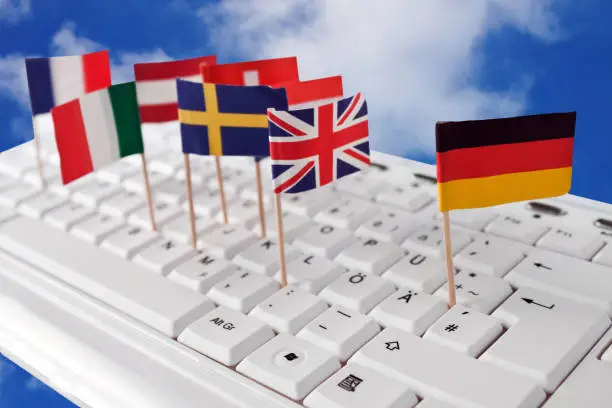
147,297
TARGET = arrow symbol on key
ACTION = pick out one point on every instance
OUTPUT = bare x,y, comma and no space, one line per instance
541,265
533,302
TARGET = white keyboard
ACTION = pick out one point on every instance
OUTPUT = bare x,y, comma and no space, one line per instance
111,314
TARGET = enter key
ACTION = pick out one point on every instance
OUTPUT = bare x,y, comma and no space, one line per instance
547,335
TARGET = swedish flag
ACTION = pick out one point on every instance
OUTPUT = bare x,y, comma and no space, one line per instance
226,120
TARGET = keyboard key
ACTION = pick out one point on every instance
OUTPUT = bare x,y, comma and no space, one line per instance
262,257
163,256
15,194
523,228
40,204
234,180
340,331
244,213
207,202
585,385
123,204
174,192
168,163
490,255
357,291
370,256
547,336
7,214
136,182
163,212
407,199
117,172
202,272
289,309
293,225
227,240
51,173
312,273
565,276
465,330
16,162
94,192
129,240
67,215
573,243
355,386
150,299
325,240
428,240
403,355
309,203
475,220
288,365
96,228
409,310
604,257
389,226
179,228
349,213
481,292
419,272
362,185
226,335
243,290
434,403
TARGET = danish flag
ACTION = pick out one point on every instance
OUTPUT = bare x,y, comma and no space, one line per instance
310,148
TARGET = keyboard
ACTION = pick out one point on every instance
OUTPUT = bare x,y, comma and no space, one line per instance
111,314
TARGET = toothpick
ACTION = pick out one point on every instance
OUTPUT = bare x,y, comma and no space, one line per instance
221,190
281,240
262,215
39,160
145,172
448,253
190,200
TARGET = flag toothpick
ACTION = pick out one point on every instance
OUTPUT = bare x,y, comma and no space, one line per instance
145,173
281,240
262,215
221,189
190,200
448,253
39,161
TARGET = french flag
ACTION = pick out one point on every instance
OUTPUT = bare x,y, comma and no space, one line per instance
56,80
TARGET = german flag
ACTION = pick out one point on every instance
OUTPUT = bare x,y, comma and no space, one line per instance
483,163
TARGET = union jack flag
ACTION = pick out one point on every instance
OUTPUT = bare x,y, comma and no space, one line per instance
310,148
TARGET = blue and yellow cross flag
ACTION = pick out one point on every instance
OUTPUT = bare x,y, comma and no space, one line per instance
226,120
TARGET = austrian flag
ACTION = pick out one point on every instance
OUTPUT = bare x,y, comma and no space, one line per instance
310,148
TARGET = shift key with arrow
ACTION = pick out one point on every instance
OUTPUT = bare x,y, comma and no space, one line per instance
546,337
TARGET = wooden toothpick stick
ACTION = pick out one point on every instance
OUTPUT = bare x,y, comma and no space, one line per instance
448,254
38,152
145,173
281,240
260,199
221,190
192,222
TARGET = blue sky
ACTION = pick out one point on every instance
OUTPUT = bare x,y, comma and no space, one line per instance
416,62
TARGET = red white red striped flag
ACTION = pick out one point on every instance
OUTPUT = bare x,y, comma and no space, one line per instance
156,86
306,94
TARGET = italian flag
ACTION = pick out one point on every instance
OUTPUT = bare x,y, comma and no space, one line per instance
97,129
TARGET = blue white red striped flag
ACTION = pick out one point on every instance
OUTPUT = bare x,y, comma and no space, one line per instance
56,80
310,148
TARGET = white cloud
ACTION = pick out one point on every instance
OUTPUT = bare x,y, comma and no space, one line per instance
12,11
416,61
13,83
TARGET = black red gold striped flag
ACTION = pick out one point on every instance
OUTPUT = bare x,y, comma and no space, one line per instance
490,162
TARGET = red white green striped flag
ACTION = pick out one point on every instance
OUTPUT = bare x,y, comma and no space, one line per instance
97,129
